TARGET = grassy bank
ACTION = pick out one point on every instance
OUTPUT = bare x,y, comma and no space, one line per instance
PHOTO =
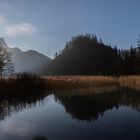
22,84
132,82
29,84
92,82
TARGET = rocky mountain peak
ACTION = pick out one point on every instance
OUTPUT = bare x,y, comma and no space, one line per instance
3,43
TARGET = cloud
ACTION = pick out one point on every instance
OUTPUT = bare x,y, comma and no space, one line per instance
2,19
24,29
13,30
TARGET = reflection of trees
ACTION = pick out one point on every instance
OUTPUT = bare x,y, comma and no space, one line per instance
82,107
7,106
87,107
20,91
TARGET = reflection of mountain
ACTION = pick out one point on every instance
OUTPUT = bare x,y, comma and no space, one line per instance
87,107
29,61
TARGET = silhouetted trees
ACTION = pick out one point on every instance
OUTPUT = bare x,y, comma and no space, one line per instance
6,65
130,61
86,55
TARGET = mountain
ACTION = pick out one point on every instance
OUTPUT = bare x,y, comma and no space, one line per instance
28,61
84,55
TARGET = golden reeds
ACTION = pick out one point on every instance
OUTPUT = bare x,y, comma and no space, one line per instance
132,82
91,82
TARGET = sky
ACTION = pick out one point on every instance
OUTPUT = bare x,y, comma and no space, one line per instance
46,25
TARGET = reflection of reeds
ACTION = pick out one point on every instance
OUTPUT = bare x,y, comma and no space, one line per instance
88,91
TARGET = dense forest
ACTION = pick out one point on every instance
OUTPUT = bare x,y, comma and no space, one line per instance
87,55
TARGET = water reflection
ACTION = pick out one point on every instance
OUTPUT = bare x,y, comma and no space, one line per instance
82,106
90,90
40,138
9,106
113,115
88,107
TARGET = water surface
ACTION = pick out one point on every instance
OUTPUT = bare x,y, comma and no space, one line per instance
66,117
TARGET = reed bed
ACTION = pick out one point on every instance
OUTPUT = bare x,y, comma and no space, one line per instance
21,84
72,82
132,82
26,84
91,82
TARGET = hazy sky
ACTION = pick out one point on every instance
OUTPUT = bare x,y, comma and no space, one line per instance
46,25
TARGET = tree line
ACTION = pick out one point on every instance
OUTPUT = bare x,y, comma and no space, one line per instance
87,55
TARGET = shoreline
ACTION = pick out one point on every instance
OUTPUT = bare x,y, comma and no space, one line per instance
30,85
74,82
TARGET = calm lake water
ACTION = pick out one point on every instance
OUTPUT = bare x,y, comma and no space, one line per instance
114,116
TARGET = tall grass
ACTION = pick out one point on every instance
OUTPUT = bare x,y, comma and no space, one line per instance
132,82
30,84
92,82
72,82
21,84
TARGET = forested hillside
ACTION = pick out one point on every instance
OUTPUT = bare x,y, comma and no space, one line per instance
87,55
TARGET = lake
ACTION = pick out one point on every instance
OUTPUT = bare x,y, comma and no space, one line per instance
110,116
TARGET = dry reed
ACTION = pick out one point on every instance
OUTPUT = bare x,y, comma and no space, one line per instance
73,82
